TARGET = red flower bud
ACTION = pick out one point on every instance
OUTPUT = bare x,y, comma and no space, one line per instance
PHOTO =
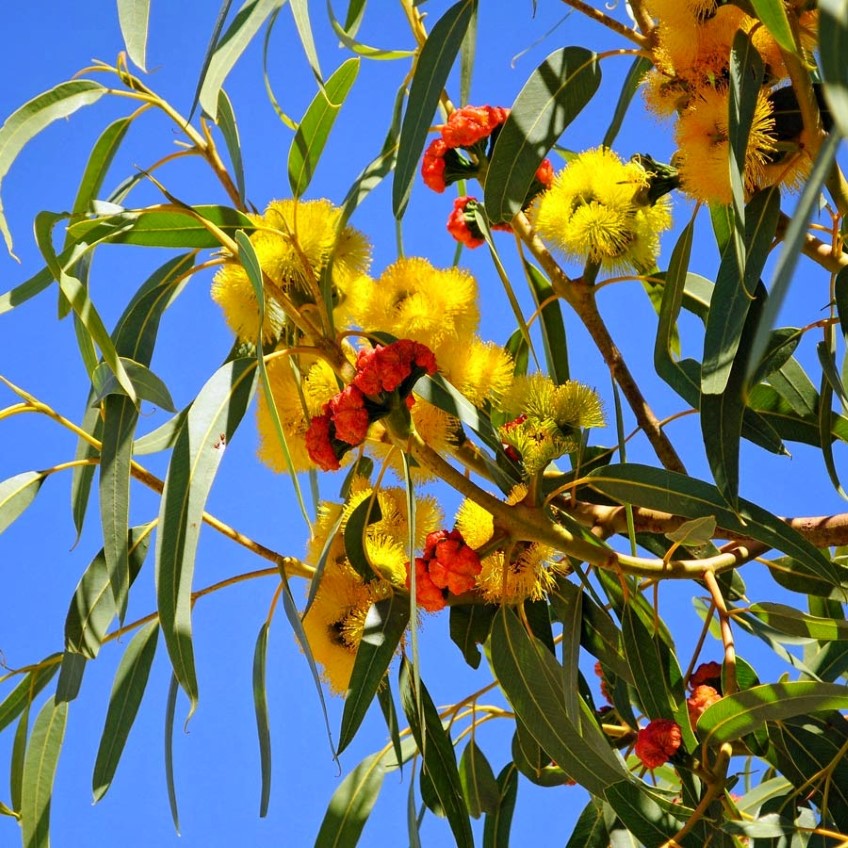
319,444
545,173
706,674
452,564
433,165
470,124
349,415
702,697
657,742
427,595
384,369
462,224
604,688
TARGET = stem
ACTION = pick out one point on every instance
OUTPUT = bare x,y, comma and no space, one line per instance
815,249
726,633
607,21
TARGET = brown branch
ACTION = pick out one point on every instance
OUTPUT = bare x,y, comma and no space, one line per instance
607,21
817,250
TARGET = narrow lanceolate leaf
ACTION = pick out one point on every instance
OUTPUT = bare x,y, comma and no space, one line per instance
260,707
147,385
553,96
40,761
735,716
469,627
127,691
632,81
647,656
170,712
26,691
351,805
591,829
833,47
71,673
16,494
300,11
655,488
25,123
643,817
92,607
773,14
210,424
384,625
431,73
158,227
482,794
229,47
133,16
437,752
532,680
793,622
552,324
229,128
791,248
498,824
311,136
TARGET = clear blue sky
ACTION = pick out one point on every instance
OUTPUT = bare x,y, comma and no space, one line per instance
217,764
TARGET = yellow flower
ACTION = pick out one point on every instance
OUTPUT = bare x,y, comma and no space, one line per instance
592,212
529,574
480,370
296,402
336,620
414,300
703,155
328,515
294,241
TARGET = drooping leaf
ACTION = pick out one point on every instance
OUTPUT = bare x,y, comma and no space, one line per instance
133,16
482,794
229,129
170,712
634,77
773,14
31,118
793,622
313,131
92,608
734,716
554,95
300,11
207,430
260,706
431,73
591,829
649,822
16,494
147,385
469,627
351,805
499,823
127,692
347,32
552,324
437,752
71,673
385,624
532,680
224,51
366,513
833,46
26,691
40,762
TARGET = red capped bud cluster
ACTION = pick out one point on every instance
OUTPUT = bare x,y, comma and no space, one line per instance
462,223
705,683
706,674
448,566
347,416
657,742
470,124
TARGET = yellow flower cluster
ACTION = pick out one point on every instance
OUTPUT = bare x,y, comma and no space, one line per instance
594,211
335,621
294,242
690,80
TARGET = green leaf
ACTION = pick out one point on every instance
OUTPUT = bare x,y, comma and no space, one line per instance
27,690
16,766
300,11
591,829
532,680
385,624
431,73
211,422
170,710
552,324
155,227
25,123
366,513
226,121
795,234
552,97
647,657
694,533
26,290
127,692
469,627
260,707
498,824
793,622
16,494
311,136
351,805
133,16
92,607
40,761
833,47
225,50
737,715
679,494
71,673
649,822
773,14
481,791
632,81
437,752
147,385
